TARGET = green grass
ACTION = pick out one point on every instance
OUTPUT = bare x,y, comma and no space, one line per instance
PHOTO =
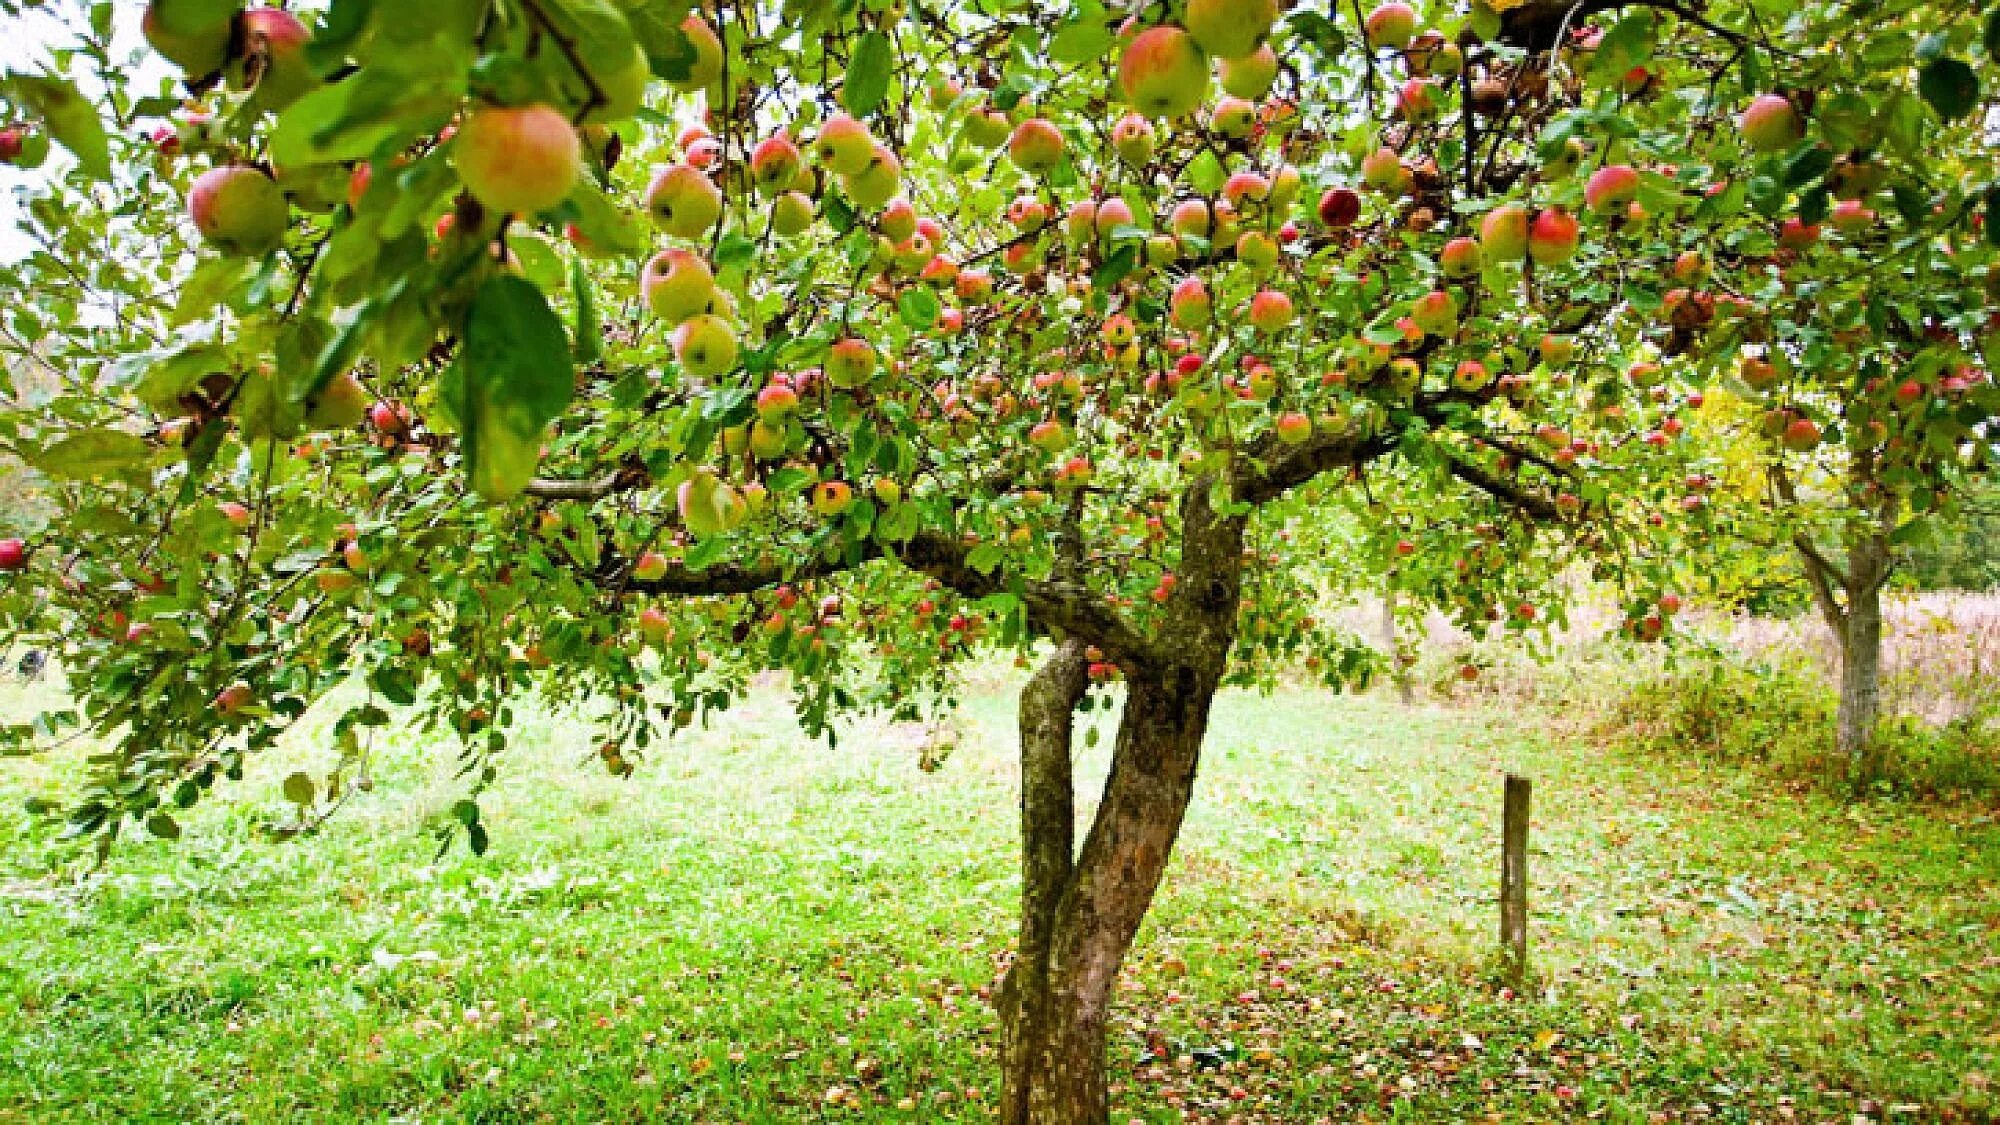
759,928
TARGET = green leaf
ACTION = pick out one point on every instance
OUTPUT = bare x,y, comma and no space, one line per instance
514,376
96,455
369,112
1950,86
589,327
163,826
70,119
868,74
1626,45
1081,42
299,789
919,308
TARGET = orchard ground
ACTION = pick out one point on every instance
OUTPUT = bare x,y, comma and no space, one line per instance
756,927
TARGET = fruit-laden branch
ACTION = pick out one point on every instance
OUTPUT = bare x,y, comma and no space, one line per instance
1512,492
1269,468
1535,24
1060,604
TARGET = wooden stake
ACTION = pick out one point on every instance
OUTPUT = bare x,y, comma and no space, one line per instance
1514,880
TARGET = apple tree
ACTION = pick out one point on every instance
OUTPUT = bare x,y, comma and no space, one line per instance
489,351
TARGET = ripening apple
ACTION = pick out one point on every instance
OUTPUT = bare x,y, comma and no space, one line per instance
1233,118
1416,100
775,164
1134,140
844,145
708,506
683,201
1610,188
1113,214
1339,207
1460,257
877,183
1851,217
340,405
1801,435
677,286
651,567
1252,75
1503,233
1271,311
850,363
1436,312
233,698
1190,306
1391,26
1796,234
1758,373
1470,375
706,346
987,129
1770,124
13,554
706,69
191,34
1191,219
271,57
1230,29
898,220
1048,435
239,210
831,497
1257,250
518,159
792,214
1119,330
237,515
1552,237
1163,73
768,440
1246,187
1557,350
1036,146
1293,428
1383,170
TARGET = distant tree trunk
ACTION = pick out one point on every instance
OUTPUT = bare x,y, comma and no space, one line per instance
1394,650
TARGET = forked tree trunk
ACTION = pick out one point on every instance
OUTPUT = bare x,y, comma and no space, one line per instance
1078,919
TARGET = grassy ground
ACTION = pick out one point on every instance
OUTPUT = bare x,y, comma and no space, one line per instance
758,928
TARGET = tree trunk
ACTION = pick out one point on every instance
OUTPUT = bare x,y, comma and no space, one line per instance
1400,674
1861,657
1056,998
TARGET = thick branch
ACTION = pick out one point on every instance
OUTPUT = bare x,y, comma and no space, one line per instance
1511,491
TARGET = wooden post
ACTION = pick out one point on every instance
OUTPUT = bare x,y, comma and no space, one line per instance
1514,880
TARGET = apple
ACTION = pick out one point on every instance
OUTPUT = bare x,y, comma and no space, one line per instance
851,363
1163,73
844,145
1391,26
1794,234
1339,207
1470,375
655,626
1383,170
1111,215
1557,350
518,160
1611,187
1770,124
386,418
706,69
683,201
1230,29
708,506
1190,305
1133,140
1293,428
1851,217
239,210
768,439
13,554
1416,101
1257,250
191,34
1271,312
1436,313
340,405
233,698
1552,237
1048,435
1503,233
1036,146
775,164
898,220
831,497
987,129
878,181
1460,257
706,346
677,286
1801,435
1252,75
792,214
651,567
1119,330
271,58
1233,118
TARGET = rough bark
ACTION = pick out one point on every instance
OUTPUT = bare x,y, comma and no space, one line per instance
1861,656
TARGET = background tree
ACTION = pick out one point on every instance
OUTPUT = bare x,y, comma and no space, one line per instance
618,351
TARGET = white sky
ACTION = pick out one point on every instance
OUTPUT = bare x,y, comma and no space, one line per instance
26,44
